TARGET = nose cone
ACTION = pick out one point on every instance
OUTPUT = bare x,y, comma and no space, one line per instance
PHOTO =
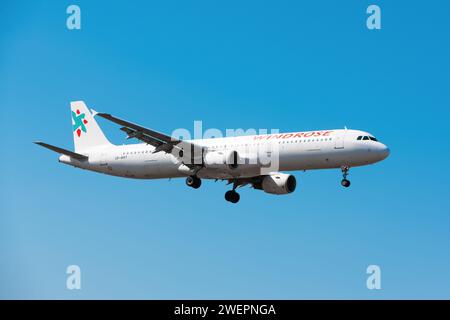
384,152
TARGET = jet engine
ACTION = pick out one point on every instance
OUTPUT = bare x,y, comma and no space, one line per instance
221,159
279,183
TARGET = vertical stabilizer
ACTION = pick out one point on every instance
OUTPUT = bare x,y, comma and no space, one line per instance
86,132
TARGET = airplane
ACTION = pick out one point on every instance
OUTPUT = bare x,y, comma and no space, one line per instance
255,160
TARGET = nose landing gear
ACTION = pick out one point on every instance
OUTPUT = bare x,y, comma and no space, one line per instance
345,183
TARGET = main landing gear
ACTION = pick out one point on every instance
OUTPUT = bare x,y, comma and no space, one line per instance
231,195
193,182
345,183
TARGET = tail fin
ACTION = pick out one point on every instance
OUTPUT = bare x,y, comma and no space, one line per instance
86,132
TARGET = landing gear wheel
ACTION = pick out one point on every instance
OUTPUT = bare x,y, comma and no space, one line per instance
232,196
345,183
193,182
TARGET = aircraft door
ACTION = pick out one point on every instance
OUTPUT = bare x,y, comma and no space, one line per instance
339,140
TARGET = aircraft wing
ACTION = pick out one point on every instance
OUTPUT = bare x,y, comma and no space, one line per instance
160,141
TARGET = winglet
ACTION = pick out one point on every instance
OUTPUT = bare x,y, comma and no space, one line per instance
94,113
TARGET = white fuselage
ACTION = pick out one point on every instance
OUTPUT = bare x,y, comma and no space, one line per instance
293,151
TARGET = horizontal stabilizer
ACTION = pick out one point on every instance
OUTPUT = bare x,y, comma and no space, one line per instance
62,151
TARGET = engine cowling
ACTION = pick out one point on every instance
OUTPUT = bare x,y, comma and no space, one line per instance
219,159
279,183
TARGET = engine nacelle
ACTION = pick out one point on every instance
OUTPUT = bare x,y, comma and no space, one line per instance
220,159
279,183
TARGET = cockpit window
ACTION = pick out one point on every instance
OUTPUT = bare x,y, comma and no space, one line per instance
366,138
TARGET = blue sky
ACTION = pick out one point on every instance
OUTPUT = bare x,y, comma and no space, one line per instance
232,64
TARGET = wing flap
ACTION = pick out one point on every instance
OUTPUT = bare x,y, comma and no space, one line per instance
140,136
